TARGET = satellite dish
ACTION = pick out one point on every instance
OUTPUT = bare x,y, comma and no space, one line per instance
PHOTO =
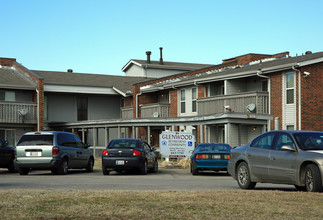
155,114
251,107
23,112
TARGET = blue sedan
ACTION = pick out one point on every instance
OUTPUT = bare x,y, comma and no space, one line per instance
210,156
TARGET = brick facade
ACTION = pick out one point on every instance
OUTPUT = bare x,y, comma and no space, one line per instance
312,98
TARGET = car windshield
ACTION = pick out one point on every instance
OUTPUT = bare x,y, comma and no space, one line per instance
213,148
123,144
310,140
30,140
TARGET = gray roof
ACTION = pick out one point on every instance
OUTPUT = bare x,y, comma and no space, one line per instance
122,83
265,66
167,65
10,78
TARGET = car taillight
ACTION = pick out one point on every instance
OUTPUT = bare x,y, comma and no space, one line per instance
55,150
200,156
105,153
136,153
15,152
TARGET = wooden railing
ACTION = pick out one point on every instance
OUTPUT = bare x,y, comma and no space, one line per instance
155,110
237,102
127,112
14,112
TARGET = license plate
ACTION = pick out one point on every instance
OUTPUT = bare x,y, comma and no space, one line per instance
33,154
120,162
216,156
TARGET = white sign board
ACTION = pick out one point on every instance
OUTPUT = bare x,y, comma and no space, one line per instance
176,144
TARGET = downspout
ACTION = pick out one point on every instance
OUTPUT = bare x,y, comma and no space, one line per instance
299,98
259,73
38,125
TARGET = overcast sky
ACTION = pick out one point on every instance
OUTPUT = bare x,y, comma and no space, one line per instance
101,36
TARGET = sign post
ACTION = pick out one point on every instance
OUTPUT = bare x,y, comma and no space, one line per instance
176,144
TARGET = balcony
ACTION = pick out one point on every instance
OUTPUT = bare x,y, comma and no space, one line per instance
127,112
155,110
18,112
237,102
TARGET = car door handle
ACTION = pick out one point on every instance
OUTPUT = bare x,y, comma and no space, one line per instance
272,158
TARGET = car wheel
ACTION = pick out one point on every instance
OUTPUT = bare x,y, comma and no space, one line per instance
105,172
23,171
63,168
155,168
144,169
194,170
243,177
12,168
313,180
89,167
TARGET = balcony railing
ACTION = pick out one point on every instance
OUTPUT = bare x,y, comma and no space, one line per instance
18,112
237,102
155,110
127,112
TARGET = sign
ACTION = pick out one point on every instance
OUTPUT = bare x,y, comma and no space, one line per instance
176,144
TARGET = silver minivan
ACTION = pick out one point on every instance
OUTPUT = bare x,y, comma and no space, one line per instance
52,150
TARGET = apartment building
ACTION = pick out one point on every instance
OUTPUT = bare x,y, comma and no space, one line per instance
231,102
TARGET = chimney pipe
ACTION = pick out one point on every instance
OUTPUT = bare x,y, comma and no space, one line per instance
161,56
70,71
148,53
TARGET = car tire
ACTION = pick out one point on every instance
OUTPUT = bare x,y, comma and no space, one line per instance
194,170
90,164
12,168
243,177
155,168
23,171
144,169
313,181
105,171
63,167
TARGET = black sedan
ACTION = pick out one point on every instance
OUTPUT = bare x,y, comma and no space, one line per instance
129,154
7,157
283,157
210,156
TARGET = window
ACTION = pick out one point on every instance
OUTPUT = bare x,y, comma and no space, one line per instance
290,88
82,104
194,96
283,140
183,101
66,140
163,97
7,96
290,127
264,86
264,141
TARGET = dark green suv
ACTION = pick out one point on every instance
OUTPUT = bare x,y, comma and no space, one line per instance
52,150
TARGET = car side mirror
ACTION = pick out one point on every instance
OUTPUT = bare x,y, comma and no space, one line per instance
86,146
288,148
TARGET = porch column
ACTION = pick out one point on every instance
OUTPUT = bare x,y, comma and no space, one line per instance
133,132
106,136
83,135
119,132
201,134
94,141
148,135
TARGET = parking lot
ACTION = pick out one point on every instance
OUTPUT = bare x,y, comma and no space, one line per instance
165,179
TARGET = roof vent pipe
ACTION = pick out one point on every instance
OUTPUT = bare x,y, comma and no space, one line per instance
148,53
70,71
161,56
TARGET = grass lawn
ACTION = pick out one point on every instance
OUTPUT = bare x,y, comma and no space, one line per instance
109,204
